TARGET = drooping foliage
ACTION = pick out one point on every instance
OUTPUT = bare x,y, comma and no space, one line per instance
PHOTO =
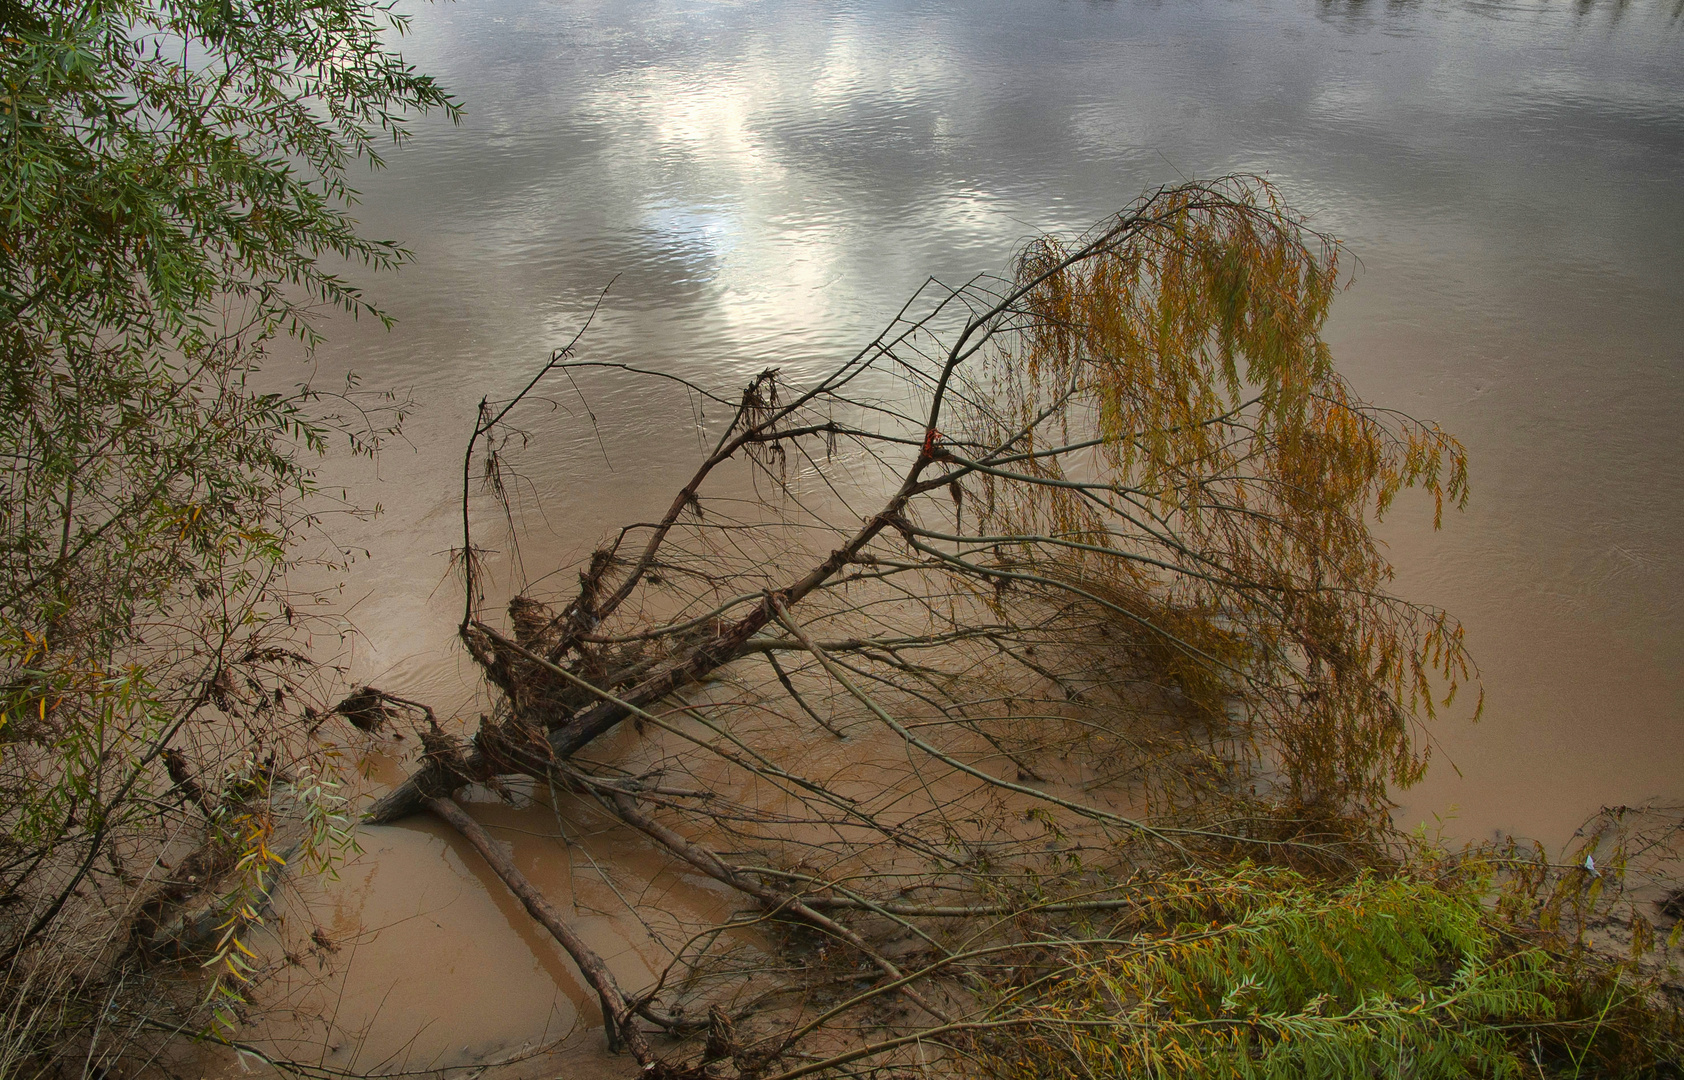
1185,440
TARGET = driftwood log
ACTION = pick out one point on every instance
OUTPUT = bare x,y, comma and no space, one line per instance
616,1011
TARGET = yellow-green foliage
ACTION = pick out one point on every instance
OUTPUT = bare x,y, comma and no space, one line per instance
1263,973
1178,432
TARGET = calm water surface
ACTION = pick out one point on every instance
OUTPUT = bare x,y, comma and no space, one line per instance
766,180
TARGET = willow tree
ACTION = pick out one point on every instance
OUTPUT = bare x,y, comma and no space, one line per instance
1166,424
171,176
1064,577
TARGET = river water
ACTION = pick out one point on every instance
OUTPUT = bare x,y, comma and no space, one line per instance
765,181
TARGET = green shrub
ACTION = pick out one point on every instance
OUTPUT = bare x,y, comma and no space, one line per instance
1264,973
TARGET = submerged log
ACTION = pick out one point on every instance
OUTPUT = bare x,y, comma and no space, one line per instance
617,1013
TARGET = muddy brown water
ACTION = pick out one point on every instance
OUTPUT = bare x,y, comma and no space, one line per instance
765,181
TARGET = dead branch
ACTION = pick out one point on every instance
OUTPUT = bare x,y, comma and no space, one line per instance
617,1013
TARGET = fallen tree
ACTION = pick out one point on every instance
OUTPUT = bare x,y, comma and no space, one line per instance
1113,617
